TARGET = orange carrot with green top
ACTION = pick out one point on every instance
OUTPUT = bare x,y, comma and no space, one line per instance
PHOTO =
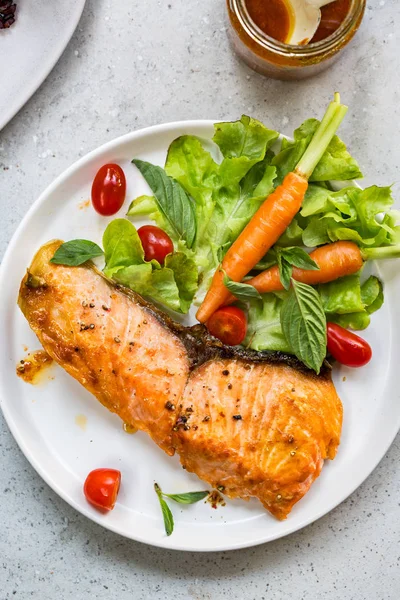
334,261
274,215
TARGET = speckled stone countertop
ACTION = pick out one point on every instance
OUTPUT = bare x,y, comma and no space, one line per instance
135,64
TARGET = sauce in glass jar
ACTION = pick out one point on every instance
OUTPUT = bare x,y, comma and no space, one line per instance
332,16
272,17
253,27
275,18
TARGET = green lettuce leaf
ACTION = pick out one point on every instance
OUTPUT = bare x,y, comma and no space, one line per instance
372,294
228,193
349,214
185,276
349,303
335,165
342,296
146,206
122,246
159,284
357,321
242,143
264,331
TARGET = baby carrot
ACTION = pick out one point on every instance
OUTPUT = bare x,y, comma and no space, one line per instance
334,260
273,217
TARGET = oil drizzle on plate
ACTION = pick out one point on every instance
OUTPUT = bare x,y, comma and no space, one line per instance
33,367
84,204
130,428
81,421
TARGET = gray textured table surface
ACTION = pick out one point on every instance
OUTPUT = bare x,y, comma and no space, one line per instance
135,64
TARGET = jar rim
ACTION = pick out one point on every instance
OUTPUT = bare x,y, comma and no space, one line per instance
239,8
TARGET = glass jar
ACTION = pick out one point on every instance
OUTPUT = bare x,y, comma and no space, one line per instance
284,61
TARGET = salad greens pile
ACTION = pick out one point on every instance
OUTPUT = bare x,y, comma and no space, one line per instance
229,180
207,193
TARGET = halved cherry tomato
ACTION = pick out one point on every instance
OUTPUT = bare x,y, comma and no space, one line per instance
347,347
156,243
228,324
101,488
108,189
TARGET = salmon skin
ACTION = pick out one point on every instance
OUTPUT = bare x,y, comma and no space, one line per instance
250,424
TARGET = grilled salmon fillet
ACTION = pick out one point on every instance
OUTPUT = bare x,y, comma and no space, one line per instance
251,424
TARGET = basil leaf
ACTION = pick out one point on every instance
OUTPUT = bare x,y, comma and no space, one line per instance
241,291
166,512
304,324
188,498
285,270
75,253
298,258
172,200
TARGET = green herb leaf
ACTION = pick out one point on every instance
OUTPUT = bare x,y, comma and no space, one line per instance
241,291
298,258
285,270
172,200
304,324
188,498
166,512
292,257
76,252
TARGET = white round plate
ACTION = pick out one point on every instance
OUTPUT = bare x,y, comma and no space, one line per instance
46,420
31,47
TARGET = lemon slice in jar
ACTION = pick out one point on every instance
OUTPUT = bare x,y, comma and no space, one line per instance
305,18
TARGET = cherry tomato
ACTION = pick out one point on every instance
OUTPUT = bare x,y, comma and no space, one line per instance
108,190
156,243
228,324
101,488
347,347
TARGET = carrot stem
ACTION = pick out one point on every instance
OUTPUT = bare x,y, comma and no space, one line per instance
322,137
380,253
